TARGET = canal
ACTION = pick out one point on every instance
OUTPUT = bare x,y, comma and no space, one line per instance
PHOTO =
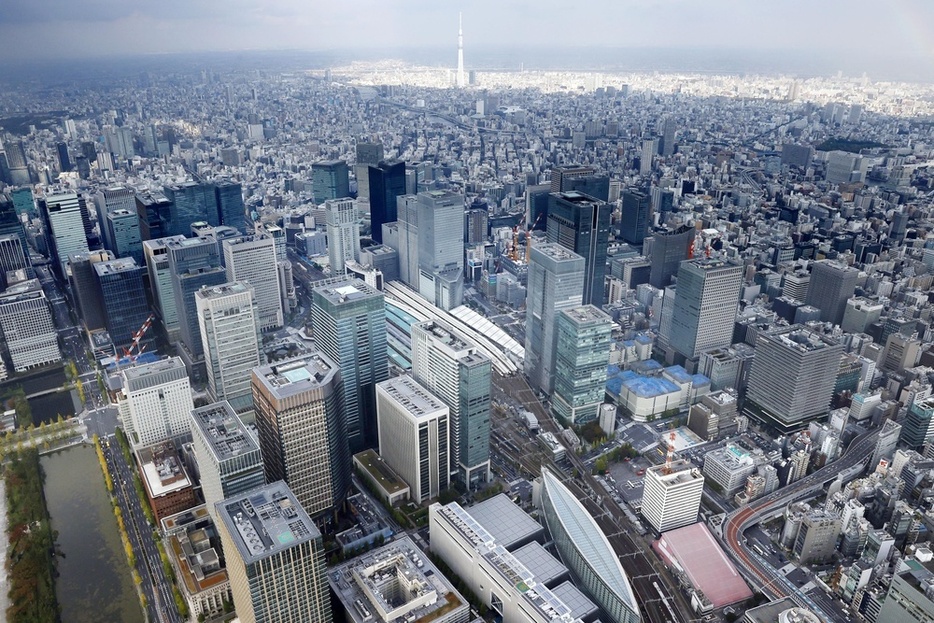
94,582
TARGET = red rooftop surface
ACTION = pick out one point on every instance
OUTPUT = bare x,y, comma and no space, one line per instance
694,550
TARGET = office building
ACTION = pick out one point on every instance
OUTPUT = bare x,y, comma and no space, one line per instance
122,227
301,432
860,313
111,199
705,306
85,287
455,371
585,550
666,144
396,582
796,285
228,196
382,258
909,595
440,228
275,557
476,225
792,376
155,215
562,175
669,249
649,149
386,184
155,402
367,154
13,256
63,217
228,319
330,180
728,468
830,287
349,320
555,282
583,344
343,233
582,224
672,495
886,443
29,333
229,459
123,298
169,490
160,284
817,537
714,417
900,352
193,264
635,216
191,202
918,424
253,259
414,435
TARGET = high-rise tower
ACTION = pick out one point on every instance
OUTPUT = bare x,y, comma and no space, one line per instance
461,80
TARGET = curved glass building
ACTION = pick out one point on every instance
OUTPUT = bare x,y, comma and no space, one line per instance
586,552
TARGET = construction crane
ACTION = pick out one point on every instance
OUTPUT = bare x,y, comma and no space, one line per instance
134,345
514,252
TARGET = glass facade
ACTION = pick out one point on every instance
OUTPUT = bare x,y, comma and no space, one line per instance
581,224
580,363
124,300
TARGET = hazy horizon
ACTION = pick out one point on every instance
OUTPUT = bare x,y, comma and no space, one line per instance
851,36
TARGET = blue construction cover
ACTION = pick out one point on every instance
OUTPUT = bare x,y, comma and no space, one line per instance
650,386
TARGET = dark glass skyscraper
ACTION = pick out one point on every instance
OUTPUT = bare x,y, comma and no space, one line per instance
387,183
636,216
191,201
330,180
194,263
124,300
581,224
229,200
669,249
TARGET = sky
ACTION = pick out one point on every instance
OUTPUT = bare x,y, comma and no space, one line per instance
901,30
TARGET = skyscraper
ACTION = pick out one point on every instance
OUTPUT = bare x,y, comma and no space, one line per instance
635,216
666,145
253,259
441,247
918,425
63,218
155,213
556,282
830,286
160,284
386,183
705,305
413,435
329,180
452,368
28,330
228,318
229,198
228,456
343,233
582,224
301,433
85,288
275,557
649,149
672,495
580,363
669,249
155,402
122,227
193,263
191,201
461,76
792,376
349,320
124,300
367,154
109,199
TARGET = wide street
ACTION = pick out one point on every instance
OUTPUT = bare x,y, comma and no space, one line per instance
160,603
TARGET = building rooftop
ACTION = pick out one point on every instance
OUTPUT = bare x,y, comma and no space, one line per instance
347,291
31,288
548,569
215,292
587,314
113,267
577,198
506,522
556,252
224,431
800,338
163,471
396,582
444,335
414,398
380,471
156,373
190,545
681,472
296,375
265,521
731,456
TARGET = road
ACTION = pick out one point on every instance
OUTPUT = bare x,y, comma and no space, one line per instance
759,571
160,602
659,597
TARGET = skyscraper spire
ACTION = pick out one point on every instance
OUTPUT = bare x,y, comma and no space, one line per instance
461,79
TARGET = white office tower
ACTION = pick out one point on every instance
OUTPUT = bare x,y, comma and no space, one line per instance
413,435
705,305
275,557
461,78
229,458
441,248
555,282
649,149
28,329
452,369
155,402
253,259
160,282
65,224
672,495
343,233
229,320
